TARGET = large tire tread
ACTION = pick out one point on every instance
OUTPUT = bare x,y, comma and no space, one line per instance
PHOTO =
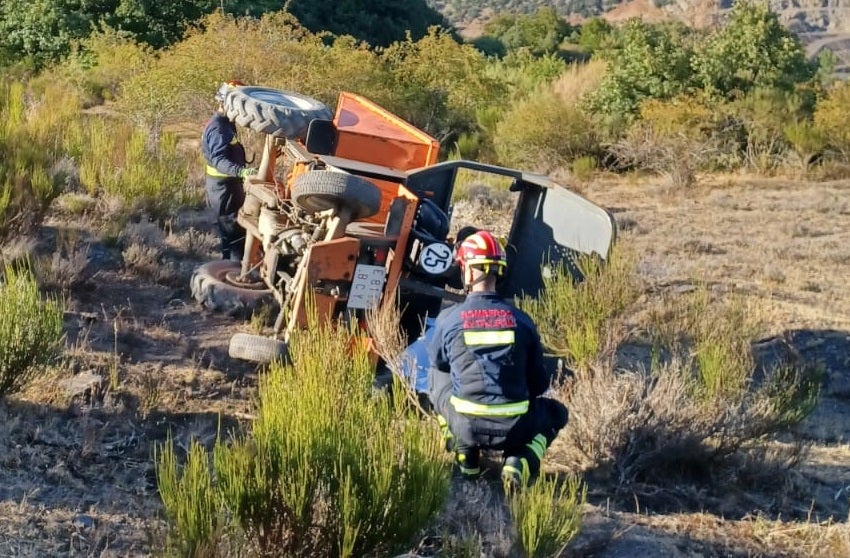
320,190
274,112
257,348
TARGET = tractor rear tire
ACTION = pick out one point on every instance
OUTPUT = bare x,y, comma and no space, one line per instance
274,112
257,348
213,288
321,190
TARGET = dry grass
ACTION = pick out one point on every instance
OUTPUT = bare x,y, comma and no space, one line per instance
579,80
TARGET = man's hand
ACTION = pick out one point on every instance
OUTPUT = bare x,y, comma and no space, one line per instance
247,171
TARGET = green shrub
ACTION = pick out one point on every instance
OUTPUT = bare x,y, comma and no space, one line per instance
329,468
761,115
583,167
547,514
30,329
148,175
833,119
542,133
30,133
190,500
573,318
99,64
807,142
717,335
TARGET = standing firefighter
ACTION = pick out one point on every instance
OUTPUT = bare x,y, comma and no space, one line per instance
226,167
487,374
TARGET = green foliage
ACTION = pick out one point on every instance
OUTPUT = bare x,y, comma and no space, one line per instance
100,63
644,61
718,335
760,118
328,468
673,139
190,500
547,515
595,34
43,31
573,318
437,84
148,175
542,133
523,73
378,22
31,128
806,140
701,399
583,167
752,50
833,119
541,32
30,328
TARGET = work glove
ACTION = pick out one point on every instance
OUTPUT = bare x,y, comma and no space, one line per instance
247,171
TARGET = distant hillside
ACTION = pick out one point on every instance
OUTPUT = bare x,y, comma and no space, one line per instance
801,16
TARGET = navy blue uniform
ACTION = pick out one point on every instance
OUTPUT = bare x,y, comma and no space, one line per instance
487,376
225,158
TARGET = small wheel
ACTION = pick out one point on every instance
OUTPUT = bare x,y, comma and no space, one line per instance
274,112
257,348
316,191
216,286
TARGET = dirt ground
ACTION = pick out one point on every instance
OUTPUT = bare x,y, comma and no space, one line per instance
76,464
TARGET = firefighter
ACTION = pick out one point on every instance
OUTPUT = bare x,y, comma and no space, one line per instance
226,168
486,376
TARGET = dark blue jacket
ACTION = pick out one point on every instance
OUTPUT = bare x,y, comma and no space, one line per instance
491,349
220,146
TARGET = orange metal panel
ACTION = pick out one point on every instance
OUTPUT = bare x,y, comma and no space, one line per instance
396,259
329,262
369,133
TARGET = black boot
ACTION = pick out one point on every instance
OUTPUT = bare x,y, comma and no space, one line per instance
467,460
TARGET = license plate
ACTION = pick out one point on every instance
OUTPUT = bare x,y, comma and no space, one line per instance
367,287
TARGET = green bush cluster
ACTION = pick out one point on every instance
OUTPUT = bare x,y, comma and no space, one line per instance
574,313
30,328
547,515
329,468
30,148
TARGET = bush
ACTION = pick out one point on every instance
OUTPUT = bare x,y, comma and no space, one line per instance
573,318
329,468
30,329
761,116
542,133
833,119
31,128
148,175
190,500
547,515
701,400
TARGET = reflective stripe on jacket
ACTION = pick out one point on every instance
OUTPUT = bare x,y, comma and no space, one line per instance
493,353
220,146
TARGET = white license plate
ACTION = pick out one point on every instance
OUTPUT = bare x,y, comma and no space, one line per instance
367,287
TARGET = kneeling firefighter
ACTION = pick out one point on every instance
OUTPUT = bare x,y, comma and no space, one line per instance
486,376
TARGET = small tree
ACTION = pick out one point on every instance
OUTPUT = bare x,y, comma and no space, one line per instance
644,61
753,49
